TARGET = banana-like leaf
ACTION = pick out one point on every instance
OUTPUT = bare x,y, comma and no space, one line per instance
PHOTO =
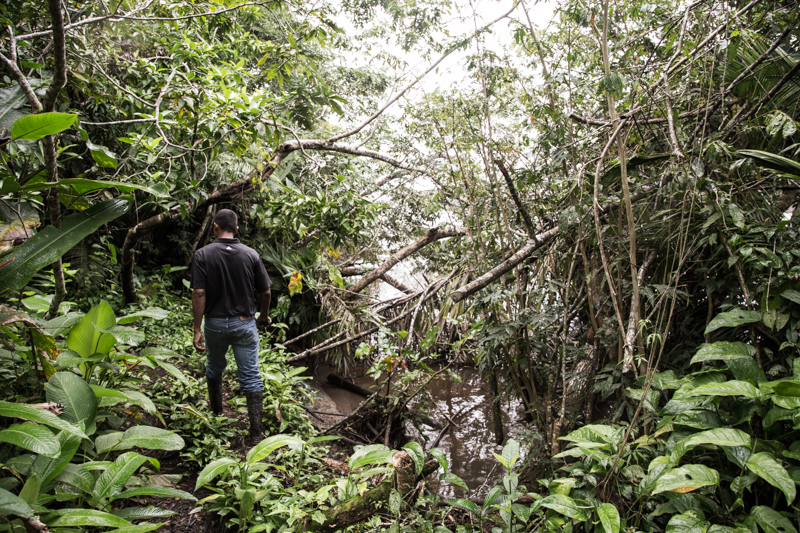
137,513
31,437
723,351
48,468
158,492
771,521
30,491
86,517
83,186
78,476
115,477
146,437
88,337
732,319
140,399
33,127
773,162
151,312
270,444
78,399
50,244
42,416
213,470
564,505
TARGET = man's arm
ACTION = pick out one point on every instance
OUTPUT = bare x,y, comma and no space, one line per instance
265,298
198,308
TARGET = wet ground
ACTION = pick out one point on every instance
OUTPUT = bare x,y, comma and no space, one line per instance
469,444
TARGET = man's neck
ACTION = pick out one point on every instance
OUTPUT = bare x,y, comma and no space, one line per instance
226,235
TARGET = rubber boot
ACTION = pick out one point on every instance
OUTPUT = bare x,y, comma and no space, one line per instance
215,394
255,410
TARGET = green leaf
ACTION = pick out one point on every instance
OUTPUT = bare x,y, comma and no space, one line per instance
174,371
87,337
787,387
31,437
718,436
84,186
115,477
686,479
140,399
454,479
609,518
689,522
374,454
464,505
722,351
771,521
726,388
158,492
78,399
511,452
270,444
34,127
566,506
138,513
42,416
773,162
30,491
155,313
102,156
213,470
417,454
125,335
150,438
49,244
732,319
78,476
144,527
86,517
767,467
11,504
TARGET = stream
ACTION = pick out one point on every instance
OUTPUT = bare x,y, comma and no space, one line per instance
470,444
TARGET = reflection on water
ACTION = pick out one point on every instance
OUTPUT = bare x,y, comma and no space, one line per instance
470,444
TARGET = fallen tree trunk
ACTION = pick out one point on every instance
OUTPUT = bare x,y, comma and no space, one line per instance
362,507
339,381
433,234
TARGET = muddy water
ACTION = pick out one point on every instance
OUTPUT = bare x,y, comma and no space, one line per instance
470,443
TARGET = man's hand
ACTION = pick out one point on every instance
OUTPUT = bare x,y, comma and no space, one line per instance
199,341
263,321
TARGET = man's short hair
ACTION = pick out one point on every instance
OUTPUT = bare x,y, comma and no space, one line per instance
226,220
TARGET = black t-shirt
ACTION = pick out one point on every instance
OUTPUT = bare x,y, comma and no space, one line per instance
228,271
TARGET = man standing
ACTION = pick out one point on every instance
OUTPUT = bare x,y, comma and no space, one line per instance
224,274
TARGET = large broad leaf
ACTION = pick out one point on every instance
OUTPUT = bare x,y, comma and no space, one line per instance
686,479
126,335
771,521
49,468
773,162
47,246
78,399
787,387
564,505
215,469
33,127
464,505
723,351
137,513
84,186
417,454
688,522
78,476
771,470
147,437
87,337
115,477
732,319
42,416
155,313
158,492
727,388
719,436
31,437
270,444
144,527
374,454
86,517
609,518
13,505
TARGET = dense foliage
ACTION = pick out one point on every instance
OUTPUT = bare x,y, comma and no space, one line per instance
602,212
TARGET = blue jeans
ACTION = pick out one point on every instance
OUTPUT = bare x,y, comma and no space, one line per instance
242,336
